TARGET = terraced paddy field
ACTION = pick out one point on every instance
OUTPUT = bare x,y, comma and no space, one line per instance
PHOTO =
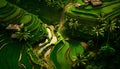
59,34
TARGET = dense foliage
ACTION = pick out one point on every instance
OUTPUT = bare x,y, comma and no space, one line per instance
59,34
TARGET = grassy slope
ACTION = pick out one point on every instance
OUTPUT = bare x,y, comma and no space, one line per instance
46,13
10,50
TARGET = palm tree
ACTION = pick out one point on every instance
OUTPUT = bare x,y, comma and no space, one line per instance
21,46
33,35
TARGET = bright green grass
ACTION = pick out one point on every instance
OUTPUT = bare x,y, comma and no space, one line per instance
84,14
111,9
9,54
61,56
108,9
18,10
26,19
8,13
76,50
53,55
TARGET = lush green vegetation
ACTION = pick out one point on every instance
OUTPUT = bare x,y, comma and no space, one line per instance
59,34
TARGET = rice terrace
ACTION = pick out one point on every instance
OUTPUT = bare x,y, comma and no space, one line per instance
59,34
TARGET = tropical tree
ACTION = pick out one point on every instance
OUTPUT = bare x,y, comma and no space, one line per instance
92,31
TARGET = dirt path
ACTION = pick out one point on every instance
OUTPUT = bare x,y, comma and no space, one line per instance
62,20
